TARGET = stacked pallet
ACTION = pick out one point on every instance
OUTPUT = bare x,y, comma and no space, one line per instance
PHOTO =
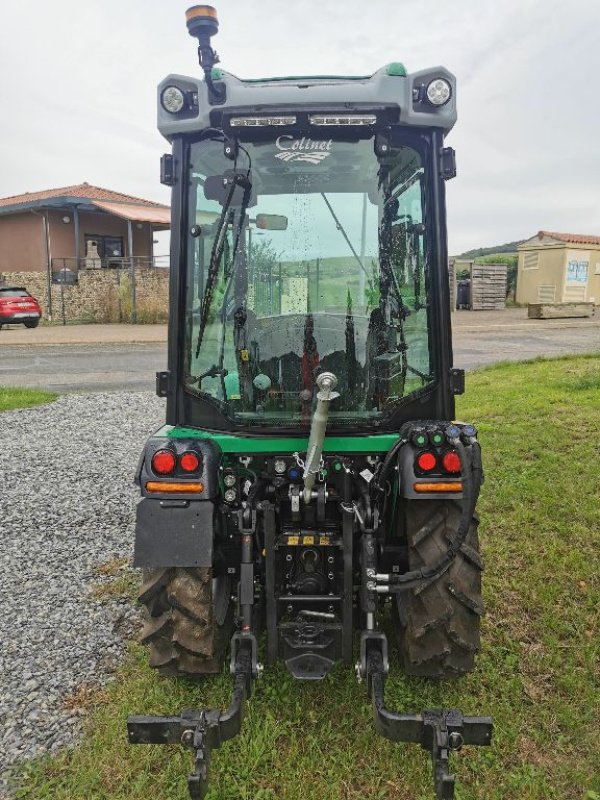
488,286
452,280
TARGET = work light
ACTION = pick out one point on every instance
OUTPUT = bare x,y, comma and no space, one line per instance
438,92
172,99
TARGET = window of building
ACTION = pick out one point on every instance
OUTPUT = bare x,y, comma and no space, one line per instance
109,248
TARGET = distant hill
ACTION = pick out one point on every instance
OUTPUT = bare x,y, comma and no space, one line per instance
509,247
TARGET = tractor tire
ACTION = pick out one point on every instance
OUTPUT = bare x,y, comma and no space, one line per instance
189,620
438,625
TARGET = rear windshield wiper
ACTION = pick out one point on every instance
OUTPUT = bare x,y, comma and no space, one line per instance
237,179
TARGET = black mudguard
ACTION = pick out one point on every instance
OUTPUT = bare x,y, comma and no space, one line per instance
170,535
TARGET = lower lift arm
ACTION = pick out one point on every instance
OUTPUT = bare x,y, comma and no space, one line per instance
206,729
439,731
203,730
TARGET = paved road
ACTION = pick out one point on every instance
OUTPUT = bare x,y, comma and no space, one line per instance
481,346
83,368
132,366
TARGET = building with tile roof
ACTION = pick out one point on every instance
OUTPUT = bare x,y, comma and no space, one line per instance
559,268
77,227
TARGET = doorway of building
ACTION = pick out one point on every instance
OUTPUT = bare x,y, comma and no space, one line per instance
110,249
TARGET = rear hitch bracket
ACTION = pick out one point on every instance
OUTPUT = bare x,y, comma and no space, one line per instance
203,730
439,731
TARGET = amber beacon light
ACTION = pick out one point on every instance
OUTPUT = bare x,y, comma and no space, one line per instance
202,23
202,18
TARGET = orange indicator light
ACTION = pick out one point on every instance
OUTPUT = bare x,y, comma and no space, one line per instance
174,488
430,488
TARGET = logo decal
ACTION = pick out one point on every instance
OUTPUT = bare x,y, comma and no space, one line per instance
312,152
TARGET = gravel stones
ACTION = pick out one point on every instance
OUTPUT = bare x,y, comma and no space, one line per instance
67,506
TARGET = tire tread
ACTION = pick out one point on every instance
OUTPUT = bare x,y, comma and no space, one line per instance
439,624
180,631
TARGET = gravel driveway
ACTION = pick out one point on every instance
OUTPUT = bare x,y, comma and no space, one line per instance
67,506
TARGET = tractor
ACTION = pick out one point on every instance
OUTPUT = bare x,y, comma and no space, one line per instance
310,480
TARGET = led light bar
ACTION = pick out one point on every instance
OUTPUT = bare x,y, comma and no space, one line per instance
260,122
347,119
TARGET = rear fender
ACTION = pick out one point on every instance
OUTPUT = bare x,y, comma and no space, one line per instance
176,529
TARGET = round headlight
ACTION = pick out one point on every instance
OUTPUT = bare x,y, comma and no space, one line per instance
280,466
438,92
230,496
229,480
172,99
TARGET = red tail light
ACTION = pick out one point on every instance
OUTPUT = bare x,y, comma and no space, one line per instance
189,461
451,462
163,462
426,461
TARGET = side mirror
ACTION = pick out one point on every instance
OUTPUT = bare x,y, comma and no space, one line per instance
271,222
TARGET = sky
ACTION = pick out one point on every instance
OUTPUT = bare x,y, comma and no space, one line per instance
78,92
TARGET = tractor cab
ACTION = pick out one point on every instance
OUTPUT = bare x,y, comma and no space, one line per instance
308,235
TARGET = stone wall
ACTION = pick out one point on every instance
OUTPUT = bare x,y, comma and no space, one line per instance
103,295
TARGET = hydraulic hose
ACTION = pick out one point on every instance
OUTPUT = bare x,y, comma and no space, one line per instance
388,461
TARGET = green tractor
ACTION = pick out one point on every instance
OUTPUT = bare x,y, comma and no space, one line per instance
310,479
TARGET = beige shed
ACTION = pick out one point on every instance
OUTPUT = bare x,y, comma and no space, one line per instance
559,268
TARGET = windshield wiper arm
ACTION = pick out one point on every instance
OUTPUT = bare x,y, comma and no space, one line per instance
340,228
214,372
218,247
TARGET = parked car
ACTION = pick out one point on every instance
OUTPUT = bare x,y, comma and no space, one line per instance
18,306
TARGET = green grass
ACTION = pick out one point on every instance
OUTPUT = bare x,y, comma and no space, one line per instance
15,397
537,673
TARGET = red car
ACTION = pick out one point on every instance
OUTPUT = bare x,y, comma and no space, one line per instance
18,306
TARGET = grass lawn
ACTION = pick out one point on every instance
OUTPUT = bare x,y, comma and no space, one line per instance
537,674
16,397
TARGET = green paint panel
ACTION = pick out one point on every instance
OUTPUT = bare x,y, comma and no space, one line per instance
397,69
228,443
